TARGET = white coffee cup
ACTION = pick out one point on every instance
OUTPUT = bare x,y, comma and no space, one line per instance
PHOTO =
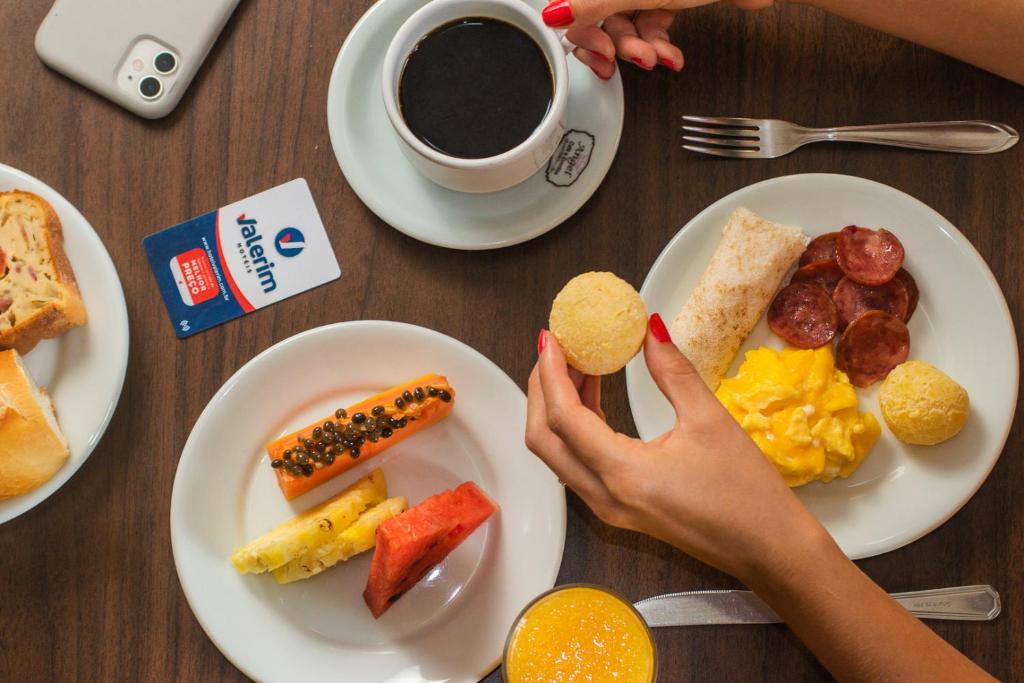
489,174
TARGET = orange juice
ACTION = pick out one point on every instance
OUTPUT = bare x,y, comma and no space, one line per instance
579,633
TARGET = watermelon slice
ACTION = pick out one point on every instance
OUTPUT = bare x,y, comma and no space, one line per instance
412,543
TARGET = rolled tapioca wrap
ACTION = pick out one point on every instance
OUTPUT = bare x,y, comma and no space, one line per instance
752,258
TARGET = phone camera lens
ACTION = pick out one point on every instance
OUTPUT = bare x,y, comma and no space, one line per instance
150,87
165,62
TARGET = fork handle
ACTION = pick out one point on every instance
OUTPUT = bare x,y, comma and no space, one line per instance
968,137
965,603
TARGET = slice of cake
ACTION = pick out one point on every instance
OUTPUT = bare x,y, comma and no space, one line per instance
32,447
39,298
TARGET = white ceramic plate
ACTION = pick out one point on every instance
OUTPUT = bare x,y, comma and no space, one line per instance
962,326
84,369
451,626
373,164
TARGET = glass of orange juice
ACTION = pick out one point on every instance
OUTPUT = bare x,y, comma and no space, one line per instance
579,632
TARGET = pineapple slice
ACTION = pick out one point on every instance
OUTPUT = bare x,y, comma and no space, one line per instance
358,538
308,531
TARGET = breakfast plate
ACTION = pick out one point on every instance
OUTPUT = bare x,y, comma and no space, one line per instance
449,627
901,492
84,369
368,151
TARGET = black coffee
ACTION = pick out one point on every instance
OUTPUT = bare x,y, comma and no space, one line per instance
475,88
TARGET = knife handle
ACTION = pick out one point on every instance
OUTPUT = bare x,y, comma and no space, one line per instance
963,603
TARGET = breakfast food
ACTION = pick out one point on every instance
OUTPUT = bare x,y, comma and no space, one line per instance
599,321
607,639
922,405
870,257
804,315
309,531
872,346
860,271
409,545
828,274
734,291
822,248
324,449
39,298
32,447
854,299
801,412
357,538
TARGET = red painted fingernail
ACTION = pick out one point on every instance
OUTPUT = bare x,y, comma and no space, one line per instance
669,63
640,63
658,329
542,339
557,14
605,57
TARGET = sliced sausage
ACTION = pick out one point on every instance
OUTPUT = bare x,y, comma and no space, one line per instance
821,248
854,299
912,292
803,315
825,273
871,347
870,257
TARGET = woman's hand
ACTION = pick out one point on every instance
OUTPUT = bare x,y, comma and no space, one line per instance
635,30
703,486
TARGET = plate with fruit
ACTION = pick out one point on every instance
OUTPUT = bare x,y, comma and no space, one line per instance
841,322
357,502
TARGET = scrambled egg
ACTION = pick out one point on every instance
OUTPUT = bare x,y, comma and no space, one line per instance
801,412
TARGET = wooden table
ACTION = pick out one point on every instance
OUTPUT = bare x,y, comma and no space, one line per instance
88,589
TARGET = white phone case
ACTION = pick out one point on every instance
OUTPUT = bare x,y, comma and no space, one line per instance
109,46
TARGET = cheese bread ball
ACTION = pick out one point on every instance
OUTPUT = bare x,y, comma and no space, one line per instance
922,405
599,321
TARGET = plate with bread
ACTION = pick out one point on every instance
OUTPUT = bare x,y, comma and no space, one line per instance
840,322
63,341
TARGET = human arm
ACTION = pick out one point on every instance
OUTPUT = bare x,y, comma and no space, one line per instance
704,487
986,33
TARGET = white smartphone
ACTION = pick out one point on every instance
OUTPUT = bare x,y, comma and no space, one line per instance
141,54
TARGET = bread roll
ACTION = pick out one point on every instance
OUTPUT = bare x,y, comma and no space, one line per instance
739,282
32,447
39,298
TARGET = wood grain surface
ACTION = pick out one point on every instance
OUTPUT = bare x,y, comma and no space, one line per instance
88,589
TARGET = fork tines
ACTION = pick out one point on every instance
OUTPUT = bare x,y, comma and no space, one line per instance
726,136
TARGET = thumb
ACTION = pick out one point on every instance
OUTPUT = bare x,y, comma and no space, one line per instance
674,374
565,13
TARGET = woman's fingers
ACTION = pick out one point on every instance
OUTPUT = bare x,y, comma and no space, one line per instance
628,44
675,375
653,27
590,394
582,430
592,39
565,13
555,454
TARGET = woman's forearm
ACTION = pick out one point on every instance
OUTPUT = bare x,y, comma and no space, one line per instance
986,33
857,631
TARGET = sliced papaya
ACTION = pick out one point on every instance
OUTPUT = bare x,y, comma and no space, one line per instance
324,449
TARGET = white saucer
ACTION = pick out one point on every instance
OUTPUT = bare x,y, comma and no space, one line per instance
449,627
962,326
367,149
84,369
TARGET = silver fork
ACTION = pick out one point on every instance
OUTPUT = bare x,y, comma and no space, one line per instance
769,138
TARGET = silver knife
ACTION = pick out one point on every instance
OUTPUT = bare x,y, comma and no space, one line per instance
699,608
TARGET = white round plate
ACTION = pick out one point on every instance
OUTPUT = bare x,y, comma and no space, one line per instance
84,369
452,625
901,492
367,149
